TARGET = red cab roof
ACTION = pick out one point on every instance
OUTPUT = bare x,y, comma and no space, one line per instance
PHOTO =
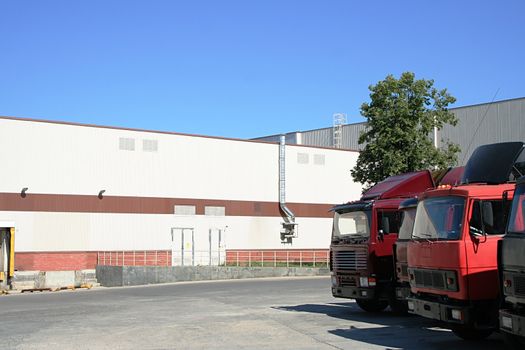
453,176
403,185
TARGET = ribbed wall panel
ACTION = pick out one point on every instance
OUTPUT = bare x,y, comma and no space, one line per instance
320,137
484,124
478,125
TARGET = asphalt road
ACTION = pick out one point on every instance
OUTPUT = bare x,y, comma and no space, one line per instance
297,313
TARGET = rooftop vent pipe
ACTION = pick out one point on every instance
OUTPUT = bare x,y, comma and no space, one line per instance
289,226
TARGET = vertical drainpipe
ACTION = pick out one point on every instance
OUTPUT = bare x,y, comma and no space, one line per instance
289,226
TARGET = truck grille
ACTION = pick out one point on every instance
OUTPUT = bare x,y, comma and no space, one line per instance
350,260
348,281
519,285
429,279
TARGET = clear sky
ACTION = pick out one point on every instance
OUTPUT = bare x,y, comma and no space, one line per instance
246,68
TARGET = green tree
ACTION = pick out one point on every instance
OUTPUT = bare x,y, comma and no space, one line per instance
401,116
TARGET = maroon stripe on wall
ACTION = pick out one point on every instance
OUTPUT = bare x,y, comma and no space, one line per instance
150,205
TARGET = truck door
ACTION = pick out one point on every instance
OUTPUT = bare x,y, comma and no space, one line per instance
486,228
388,223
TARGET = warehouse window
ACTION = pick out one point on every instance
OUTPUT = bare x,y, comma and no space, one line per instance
215,211
303,158
126,144
150,145
184,210
319,159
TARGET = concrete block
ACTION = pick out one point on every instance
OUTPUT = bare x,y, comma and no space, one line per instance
54,279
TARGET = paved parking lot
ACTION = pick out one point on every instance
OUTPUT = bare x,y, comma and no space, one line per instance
297,313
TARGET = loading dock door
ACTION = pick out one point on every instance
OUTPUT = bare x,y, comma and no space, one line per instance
7,254
182,246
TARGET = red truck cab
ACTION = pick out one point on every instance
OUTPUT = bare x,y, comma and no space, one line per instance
363,235
451,176
453,254
512,268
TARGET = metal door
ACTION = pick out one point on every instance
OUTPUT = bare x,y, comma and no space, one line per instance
216,248
7,255
183,246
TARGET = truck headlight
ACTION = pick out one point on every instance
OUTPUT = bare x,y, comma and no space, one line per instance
457,315
506,322
334,281
411,306
363,281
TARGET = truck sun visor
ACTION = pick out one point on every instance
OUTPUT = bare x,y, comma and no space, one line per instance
494,164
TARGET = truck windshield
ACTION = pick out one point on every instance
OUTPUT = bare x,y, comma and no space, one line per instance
354,223
517,216
407,223
439,218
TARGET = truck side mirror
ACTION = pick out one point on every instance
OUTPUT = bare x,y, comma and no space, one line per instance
385,224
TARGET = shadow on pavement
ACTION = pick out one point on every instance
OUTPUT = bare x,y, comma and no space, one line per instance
392,331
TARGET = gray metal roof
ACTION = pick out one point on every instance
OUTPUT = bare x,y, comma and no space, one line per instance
478,124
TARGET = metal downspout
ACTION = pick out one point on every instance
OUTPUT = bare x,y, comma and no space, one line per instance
290,217
289,226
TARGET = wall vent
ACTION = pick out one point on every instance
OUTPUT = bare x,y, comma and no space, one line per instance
184,210
319,159
150,145
303,158
215,211
126,144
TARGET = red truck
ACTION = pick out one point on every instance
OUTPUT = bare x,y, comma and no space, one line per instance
453,254
451,176
364,231
512,267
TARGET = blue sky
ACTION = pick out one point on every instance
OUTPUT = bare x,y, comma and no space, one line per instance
246,68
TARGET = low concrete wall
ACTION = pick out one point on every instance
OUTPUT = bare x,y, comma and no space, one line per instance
112,276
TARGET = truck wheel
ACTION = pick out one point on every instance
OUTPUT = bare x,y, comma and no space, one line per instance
467,333
399,307
372,305
513,341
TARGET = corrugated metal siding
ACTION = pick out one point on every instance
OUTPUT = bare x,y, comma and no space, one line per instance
320,137
502,121
497,122
325,137
290,138
351,134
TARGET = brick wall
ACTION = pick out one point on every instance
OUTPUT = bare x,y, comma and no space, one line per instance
55,261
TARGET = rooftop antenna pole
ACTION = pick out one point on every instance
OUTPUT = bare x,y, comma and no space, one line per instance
479,125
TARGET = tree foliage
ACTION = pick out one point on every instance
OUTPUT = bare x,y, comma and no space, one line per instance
401,116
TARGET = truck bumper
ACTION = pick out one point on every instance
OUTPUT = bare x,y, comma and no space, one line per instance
438,311
354,292
511,322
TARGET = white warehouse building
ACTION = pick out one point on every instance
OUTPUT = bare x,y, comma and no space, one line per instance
76,194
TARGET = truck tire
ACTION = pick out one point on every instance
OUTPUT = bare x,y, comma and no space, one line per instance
372,305
467,333
513,341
